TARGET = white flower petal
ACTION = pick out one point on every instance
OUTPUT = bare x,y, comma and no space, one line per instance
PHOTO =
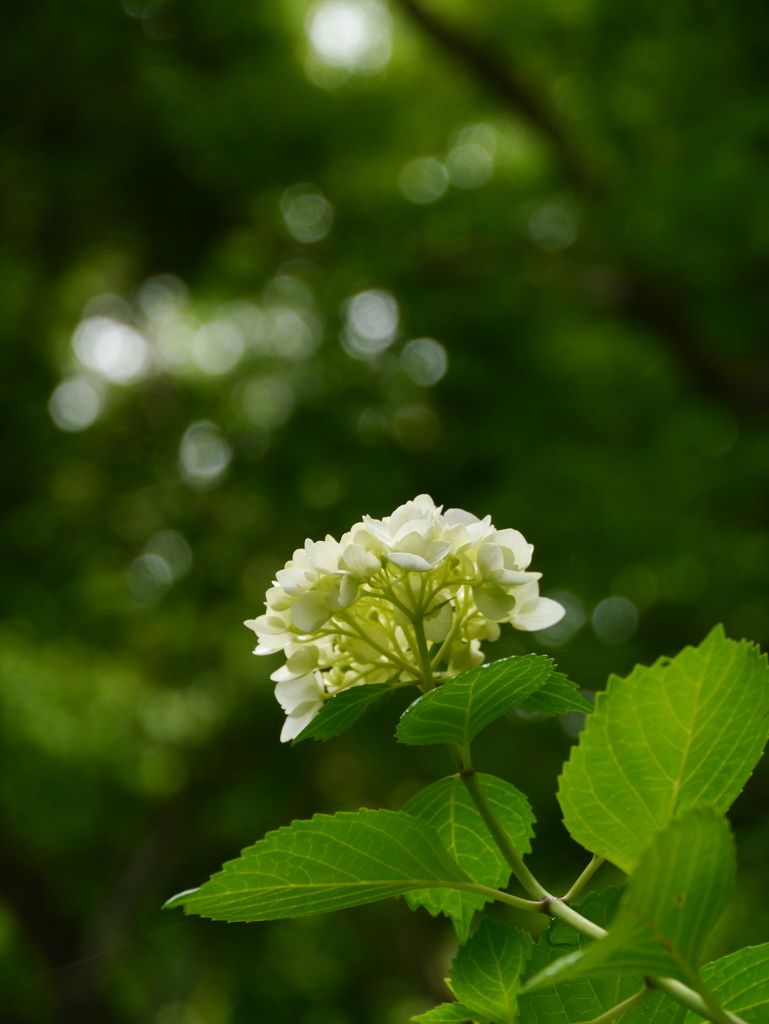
539,613
324,556
458,515
284,675
266,649
293,693
413,543
493,602
426,503
362,652
310,612
296,723
526,593
292,581
303,659
348,590
278,600
421,509
490,560
360,561
411,563
378,529
437,550
438,626
512,578
517,544
421,527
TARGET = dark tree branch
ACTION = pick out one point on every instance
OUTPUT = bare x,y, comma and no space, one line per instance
507,85
651,307
642,299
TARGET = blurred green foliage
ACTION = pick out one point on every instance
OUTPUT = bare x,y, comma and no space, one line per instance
192,192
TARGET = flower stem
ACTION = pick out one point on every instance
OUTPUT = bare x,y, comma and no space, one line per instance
624,1006
499,835
499,895
424,655
707,1008
584,878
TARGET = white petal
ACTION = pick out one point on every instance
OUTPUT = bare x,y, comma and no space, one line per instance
539,613
481,532
361,562
411,511
437,550
411,563
438,626
294,724
458,515
490,560
465,656
303,659
284,675
310,612
362,652
324,556
278,600
426,503
378,529
292,581
493,602
348,590
294,693
422,527
459,538
266,649
511,578
271,626
365,539
526,593
517,543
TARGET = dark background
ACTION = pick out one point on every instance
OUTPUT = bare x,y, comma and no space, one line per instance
596,272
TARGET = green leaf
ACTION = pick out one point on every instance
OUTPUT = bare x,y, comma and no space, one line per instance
343,710
683,733
740,983
447,1013
486,973
682,885
582,999
557,696
457,711
326,863
659,1009
448,807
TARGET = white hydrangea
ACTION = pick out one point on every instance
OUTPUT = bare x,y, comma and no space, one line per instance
407,599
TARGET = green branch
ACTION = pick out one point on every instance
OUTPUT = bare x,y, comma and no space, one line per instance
584,878
676,989
500,836
627,1004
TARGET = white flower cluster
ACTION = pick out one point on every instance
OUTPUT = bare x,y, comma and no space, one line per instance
406,600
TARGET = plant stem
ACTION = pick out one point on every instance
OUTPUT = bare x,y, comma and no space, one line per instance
623,1007
584,878
394,659
717,1012
676,989
499,895
424,655
705,1005
500,837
